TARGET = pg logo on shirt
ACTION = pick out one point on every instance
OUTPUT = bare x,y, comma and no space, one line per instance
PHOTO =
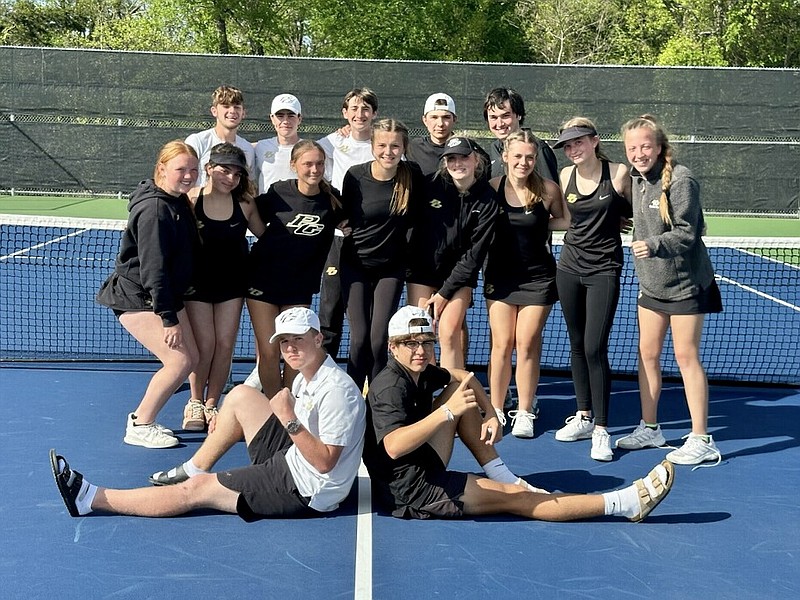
306,225
436,203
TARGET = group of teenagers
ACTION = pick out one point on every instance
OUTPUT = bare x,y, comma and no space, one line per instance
367,211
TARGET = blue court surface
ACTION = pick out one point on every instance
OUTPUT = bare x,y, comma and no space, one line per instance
725,532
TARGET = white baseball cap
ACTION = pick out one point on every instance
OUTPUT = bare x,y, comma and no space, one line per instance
400,323
439,101
294,321
285,102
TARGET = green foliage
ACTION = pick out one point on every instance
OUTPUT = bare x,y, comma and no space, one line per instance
665,32
764,33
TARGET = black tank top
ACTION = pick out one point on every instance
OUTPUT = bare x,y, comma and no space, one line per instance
521,249
592,244
222,241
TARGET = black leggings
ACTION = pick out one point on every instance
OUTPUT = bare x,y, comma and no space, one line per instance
370,299
331,307
589,304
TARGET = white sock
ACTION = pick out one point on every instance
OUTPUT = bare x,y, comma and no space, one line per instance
529,487
497,470
85,498
625,502
190,468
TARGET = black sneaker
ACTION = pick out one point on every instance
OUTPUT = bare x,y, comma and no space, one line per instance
69,482
171,477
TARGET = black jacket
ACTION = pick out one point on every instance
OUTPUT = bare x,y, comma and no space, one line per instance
156,254
451,235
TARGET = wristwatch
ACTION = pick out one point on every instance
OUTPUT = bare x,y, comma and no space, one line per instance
294,426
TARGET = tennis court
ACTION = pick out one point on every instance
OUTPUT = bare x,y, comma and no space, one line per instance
728,531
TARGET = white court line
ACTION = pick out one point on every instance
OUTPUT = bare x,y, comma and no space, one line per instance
42,245
363,568
747,288
769,258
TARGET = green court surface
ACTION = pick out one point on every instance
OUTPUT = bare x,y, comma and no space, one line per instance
116,208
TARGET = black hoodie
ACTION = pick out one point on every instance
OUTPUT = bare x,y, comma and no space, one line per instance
154,266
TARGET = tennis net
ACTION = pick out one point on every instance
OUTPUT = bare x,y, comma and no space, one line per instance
51,268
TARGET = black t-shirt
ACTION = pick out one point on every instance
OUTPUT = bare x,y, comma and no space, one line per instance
379,238
395,401
297,239
426,154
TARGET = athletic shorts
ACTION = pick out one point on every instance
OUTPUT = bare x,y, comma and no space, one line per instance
436,496
707,301
266,488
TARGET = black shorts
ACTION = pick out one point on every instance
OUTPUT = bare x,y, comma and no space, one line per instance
540,292
436,495
707,301
266,488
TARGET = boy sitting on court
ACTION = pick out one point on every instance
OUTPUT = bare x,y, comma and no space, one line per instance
227,107
410,437
305,446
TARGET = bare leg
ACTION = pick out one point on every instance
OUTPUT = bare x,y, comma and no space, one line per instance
201,316
203,491
652,331
686,333
503,324
530,323
226,326
262,316
484,497
450,327
177,363
242,415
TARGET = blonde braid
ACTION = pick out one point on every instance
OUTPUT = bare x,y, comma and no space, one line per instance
666,182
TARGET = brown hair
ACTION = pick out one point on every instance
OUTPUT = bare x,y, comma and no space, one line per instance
243,192
647,121
301,148
534,184
402,180
362,93
585,122
228,95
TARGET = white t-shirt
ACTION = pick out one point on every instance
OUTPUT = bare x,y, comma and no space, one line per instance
204,141
330,407
272,163
341,154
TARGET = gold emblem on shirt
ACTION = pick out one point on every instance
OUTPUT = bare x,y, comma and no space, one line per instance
572,198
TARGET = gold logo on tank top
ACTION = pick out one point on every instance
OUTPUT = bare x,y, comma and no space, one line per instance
572,198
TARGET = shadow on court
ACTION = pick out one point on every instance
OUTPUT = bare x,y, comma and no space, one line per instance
724,532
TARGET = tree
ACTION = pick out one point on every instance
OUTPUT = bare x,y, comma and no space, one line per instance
764,33
568,31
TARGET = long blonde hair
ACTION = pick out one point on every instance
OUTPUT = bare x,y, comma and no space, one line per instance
301,148
649,122
534,184
402,179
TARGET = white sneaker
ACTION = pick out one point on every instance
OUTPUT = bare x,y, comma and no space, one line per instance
642,437
601,445
148,436
253,380
694,451
522,422
578,427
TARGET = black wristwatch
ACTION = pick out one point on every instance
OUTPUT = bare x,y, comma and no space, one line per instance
294,426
